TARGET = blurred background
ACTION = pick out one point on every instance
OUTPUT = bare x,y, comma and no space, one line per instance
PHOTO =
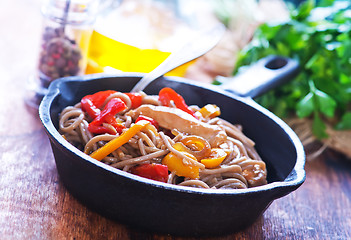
136,36
44,40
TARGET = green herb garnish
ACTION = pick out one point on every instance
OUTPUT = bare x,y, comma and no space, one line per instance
319,37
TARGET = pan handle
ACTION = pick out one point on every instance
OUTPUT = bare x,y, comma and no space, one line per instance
267,73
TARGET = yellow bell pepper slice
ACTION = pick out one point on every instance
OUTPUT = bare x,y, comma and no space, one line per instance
197,146
210,111
175,164
114,144
180,147
216,157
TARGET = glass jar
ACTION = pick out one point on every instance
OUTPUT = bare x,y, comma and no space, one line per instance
67,28
136,36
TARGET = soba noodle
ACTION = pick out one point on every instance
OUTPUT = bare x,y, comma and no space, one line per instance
241,168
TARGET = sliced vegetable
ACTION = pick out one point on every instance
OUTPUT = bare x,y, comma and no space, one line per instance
197,146
102,129
216,157
158,172
114,106
92,103
114,144
107,115
89,107
152,121
116,125
176,165
210,111
135,98
181,147
166,95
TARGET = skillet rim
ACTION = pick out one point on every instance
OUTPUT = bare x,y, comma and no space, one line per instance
294,179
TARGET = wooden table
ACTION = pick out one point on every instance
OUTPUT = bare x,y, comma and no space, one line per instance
34,204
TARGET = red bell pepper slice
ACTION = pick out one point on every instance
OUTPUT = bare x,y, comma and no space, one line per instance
135,98
114,106
107,115
100,97
166,95
92,103
158,172
89,107
118,126
100,129
152,121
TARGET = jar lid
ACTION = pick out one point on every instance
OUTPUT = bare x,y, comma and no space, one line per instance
74,12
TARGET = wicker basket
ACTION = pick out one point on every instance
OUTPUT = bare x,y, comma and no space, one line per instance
339,141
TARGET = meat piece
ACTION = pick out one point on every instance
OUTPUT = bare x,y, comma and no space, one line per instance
174,118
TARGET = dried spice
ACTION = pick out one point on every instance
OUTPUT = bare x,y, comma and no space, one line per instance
59,56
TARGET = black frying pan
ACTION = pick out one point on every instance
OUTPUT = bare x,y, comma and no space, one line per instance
164,208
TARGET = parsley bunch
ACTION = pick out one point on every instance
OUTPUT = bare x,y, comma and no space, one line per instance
319,37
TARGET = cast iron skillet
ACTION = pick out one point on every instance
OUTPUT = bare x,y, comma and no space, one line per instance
163,208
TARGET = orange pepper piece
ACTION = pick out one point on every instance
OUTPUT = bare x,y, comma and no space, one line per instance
216,157
210,111
112,145
175,164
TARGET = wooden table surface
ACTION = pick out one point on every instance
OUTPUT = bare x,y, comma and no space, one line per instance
34,204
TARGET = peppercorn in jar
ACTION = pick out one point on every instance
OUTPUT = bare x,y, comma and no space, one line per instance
67,28
60,56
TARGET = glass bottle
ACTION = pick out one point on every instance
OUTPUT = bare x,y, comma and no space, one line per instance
67,28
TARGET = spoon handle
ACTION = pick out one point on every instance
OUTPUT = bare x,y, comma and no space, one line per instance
196,47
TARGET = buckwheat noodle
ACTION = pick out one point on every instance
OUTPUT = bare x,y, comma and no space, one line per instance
242,167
